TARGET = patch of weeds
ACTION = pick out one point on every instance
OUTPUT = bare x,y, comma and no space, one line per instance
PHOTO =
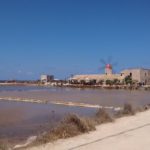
126,111
3,146
102,117
71,126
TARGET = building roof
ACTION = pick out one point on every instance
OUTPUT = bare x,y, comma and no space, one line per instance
97,77
138,68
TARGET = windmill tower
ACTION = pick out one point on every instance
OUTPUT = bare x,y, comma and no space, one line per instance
108,69
107,65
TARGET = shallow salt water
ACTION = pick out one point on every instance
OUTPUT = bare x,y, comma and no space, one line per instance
91,96
19,120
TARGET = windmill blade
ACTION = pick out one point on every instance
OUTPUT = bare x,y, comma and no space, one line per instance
110,60
103,61
101,68
109,63
114,64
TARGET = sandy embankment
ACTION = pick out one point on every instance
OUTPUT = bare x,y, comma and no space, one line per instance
128,133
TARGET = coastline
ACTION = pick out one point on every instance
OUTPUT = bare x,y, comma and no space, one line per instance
122,134
108,87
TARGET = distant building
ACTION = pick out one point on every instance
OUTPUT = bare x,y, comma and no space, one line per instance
98,77
47,78
140,75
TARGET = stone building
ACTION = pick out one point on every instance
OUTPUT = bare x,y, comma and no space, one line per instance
98,77
140,75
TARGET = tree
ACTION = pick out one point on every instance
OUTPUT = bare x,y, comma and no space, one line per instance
115,81
83,82
128,80
100,82
109,82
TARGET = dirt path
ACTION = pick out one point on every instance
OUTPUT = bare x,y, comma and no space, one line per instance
128,133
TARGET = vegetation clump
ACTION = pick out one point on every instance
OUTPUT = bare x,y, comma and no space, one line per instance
127,110
128,80
3,146
71,126
102,117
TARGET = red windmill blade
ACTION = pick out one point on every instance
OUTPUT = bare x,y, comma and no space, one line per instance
107,64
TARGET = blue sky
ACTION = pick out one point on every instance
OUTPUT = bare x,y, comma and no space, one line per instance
64,37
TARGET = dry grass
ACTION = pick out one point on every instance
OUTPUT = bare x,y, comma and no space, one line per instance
71,126
127,110
144,108
102,117
147,107
3,146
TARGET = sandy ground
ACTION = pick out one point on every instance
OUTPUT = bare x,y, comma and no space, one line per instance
128,133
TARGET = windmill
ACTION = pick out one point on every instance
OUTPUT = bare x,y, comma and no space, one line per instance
107,65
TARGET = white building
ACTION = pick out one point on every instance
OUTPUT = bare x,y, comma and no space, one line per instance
46,78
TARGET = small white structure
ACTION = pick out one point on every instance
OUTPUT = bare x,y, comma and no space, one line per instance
46,78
